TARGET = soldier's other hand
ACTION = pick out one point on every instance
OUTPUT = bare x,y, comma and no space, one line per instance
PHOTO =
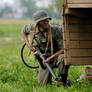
47,60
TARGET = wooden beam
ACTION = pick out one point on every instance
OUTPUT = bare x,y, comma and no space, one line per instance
79,5
79,1
81,61
81,44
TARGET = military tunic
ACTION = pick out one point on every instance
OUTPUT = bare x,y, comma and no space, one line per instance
41,40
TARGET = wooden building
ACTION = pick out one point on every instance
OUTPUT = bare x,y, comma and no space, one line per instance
77,32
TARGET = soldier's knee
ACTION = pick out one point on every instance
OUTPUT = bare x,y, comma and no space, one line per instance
42,82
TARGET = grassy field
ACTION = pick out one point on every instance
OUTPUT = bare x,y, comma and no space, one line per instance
16,77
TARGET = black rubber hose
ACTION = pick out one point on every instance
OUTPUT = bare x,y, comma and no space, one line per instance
32,67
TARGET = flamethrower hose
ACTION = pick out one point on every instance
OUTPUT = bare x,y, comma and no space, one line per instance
22,49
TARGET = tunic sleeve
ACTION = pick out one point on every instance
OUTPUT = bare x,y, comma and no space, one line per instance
27,28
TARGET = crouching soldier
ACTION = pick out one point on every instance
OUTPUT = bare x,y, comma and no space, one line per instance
49,39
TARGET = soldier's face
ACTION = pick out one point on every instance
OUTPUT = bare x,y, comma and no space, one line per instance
44,23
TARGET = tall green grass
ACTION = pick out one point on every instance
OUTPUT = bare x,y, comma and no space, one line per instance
16,77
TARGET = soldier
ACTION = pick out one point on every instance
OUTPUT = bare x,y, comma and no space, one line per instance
49,39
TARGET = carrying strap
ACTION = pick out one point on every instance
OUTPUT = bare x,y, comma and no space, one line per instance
50,40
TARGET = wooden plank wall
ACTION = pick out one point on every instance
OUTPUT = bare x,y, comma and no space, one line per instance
77,37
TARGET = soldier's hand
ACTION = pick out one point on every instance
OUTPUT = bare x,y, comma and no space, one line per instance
32,49
47,60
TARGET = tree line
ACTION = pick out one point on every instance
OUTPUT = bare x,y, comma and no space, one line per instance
28,7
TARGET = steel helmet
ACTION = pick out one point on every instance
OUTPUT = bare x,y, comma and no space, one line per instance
40,15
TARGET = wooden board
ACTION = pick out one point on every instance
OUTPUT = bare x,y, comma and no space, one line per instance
81,61
82,44
80,29
80,1
79,36
81,52
79,5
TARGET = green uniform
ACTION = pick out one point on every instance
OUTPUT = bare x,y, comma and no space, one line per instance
41,41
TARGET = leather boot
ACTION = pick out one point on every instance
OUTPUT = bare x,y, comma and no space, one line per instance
66,82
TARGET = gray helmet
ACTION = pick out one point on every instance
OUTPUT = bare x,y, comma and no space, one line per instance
40,15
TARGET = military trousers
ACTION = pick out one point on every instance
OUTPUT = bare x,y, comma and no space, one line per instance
44,76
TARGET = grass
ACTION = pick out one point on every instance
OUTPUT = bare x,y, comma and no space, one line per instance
16,77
